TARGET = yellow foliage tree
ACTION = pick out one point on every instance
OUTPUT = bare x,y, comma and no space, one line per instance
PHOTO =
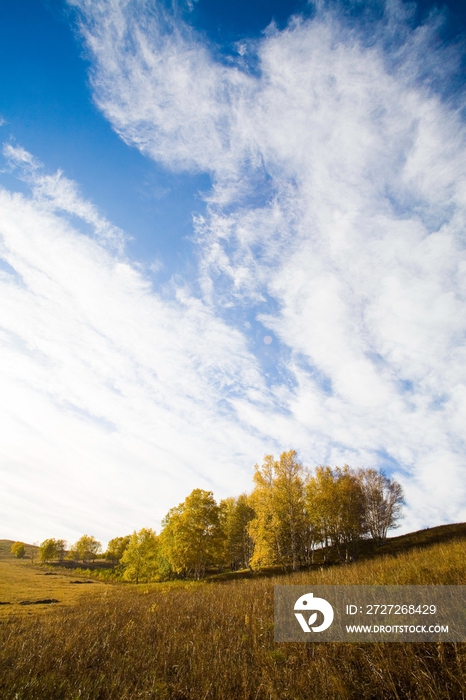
116,548
140,557
192,537
335,507
236,514
263,528
18,550
279,527
87,548
51,549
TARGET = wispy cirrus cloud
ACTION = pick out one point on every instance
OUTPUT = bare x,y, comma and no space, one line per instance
117,400
336,217
58,193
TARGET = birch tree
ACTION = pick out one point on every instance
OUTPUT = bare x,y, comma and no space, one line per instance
383,500
279,526
192,537
335,507
236,514
263,528
140,557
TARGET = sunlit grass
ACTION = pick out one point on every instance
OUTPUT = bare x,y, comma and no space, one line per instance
215,640
20,581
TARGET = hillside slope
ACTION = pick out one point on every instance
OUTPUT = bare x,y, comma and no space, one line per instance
203,641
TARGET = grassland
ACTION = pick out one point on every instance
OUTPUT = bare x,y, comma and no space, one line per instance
206,641
21,583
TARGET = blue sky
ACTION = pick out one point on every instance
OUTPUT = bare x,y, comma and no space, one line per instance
226,231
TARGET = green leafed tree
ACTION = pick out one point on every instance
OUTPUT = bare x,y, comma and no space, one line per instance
192,537
140,557
18,550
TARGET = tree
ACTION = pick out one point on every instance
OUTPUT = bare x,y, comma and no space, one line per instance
335,507
140,556
87,548
350,523
171,544
61,549
192,537
279,526
319,495
48,550
236,514
383,500
18,550
116,548
263,528
289,506
34,549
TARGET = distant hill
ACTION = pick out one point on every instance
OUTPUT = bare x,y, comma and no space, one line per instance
5,546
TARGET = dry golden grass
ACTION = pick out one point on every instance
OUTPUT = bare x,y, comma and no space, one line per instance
22,581
440,564
214,641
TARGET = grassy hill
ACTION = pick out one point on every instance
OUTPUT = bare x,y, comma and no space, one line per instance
204,641
367,549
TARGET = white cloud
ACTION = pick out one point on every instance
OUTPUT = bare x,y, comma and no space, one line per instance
339,194
116,402
58,193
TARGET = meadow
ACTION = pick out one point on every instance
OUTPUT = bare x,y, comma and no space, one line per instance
21,585
210,640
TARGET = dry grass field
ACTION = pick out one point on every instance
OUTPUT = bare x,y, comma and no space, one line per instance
206,641
20,582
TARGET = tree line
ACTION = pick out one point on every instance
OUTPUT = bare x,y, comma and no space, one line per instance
290,513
